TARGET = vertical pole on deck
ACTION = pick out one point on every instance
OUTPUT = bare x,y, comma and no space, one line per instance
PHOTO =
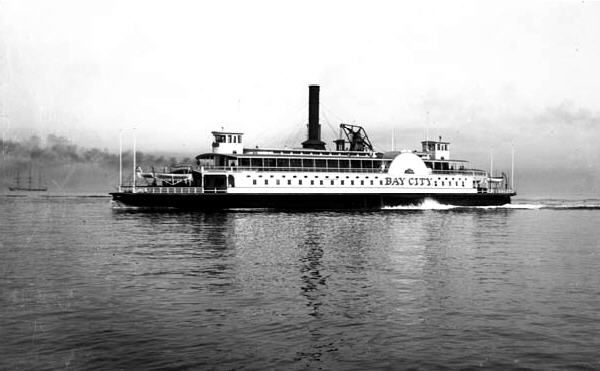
512,169
491,163
120,159
133,183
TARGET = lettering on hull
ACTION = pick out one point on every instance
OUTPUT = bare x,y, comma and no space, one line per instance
411,181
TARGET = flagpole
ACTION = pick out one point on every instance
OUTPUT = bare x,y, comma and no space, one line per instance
512,169
120,159
134,140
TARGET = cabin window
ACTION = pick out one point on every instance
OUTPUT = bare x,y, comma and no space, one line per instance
321,163
371,182
295,162
344,164
308,163
257,162
442,183
254,181
381,182
463,184
266,181
312,182
435,184
341,182
269,162
289,182
320,182
332,164
283,162
355,164
362,182
300,182
277,182
244,161
352,182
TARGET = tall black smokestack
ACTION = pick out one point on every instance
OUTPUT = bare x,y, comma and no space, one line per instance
314,128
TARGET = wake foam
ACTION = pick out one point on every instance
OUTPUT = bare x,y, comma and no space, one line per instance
554,204
427,204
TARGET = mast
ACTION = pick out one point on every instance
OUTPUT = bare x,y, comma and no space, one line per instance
133,184
512,169
120,159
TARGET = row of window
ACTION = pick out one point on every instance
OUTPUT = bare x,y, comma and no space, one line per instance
310,163
228,138
351,182
357,177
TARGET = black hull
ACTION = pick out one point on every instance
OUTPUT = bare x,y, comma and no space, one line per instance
217,201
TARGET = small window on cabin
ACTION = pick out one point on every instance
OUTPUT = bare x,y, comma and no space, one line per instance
257,162
308,162
463,184
239,139
381,182
332,182
352,182
442,183
289,182
266,181
320,182
300,182
435,184
254,181
341,182
312,182
277,182
244,162
362,182
321,163
371,182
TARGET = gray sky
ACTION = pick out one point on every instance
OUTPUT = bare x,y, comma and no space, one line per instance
484,75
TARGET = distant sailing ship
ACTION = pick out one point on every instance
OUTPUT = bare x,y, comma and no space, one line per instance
30,187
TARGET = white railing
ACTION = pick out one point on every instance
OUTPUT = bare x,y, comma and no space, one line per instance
170,190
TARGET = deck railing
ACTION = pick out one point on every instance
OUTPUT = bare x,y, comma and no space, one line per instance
171,190
211,169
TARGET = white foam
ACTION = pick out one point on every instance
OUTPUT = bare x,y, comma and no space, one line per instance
427,204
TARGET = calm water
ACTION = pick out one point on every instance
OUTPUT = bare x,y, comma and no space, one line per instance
86,286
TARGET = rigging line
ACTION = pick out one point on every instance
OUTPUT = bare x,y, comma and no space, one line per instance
332,113
330,126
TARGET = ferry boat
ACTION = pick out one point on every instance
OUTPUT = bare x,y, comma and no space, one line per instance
353,176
